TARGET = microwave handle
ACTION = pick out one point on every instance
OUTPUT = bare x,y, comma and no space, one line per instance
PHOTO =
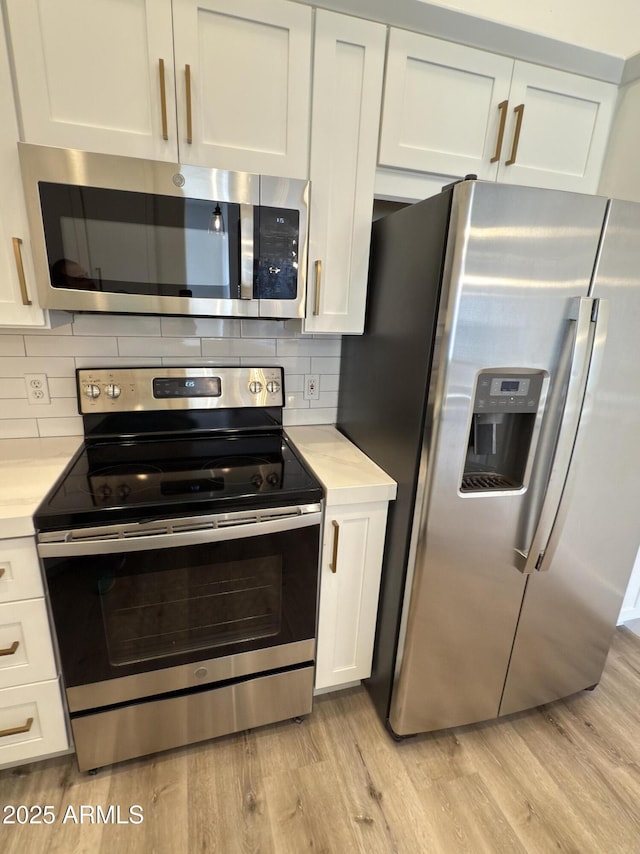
246,251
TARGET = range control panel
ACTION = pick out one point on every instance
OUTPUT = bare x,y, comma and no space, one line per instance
508,391
145,389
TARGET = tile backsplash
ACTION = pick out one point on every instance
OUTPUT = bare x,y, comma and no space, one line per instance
92,340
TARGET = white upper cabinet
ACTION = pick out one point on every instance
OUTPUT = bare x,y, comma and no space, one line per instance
249,63
564,126
453,110
441,106
88,74
17,285
99,75
347,74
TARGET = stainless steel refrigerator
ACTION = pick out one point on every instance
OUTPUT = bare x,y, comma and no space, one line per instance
498,381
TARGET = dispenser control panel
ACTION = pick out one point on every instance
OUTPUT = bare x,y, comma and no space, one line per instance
508,392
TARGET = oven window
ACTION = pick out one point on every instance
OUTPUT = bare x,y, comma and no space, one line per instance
121,614
120,241
190,608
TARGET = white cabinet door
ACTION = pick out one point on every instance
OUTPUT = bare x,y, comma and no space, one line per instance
564,126
246,104
17,285
88,74
347,85
352,549
441,108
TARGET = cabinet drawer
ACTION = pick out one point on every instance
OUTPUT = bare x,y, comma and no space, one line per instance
32,722
19,570
26,653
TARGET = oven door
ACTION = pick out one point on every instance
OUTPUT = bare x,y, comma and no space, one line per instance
135,606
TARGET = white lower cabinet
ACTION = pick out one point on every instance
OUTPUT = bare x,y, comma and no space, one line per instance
32,723
32,717
352,549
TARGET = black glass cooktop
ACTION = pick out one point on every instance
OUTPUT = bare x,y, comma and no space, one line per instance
142,479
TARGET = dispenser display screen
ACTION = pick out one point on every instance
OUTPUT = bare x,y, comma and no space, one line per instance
509,387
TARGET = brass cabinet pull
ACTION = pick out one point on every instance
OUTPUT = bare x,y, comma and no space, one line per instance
316,302
503,106
163,100
16,730
10,650
2,569
333,566
17,251
519,111
187,81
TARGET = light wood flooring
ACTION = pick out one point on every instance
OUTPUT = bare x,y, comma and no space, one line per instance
562,778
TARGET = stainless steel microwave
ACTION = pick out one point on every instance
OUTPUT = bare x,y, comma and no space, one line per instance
125,235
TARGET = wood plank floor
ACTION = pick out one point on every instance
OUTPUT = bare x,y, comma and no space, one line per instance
565,777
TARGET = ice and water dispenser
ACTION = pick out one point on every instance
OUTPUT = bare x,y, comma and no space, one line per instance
504,414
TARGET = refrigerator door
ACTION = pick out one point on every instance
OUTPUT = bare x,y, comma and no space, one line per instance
571,606
516,260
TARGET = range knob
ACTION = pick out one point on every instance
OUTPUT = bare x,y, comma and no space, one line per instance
273,386
105,491
91,390
273,479
257,480
112,390
255,387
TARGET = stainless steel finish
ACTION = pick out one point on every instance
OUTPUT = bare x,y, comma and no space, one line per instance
168,679
293,194
246,252
69,166
143,728
173,533
569,613
463,599
136,388
528,559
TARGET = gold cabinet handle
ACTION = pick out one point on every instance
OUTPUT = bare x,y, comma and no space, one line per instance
316,301
519,111
17,251
333,566
2,570
163,99
10,650
16,730
187,81
503,106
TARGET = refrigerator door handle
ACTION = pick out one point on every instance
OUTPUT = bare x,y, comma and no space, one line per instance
583,314
601,317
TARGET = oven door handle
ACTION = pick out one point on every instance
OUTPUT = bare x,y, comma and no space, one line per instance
74,544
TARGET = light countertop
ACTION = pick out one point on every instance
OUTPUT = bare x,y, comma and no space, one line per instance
347,475
28,468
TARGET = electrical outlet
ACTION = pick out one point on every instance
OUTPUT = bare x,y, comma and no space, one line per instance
37,388
311,387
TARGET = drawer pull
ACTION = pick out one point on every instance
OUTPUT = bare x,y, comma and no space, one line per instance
187,81
2,570
519,111
503,107
10,650
163,99
22,280
333,566
16,730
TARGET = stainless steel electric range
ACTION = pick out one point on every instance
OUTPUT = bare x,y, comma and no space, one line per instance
181,549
